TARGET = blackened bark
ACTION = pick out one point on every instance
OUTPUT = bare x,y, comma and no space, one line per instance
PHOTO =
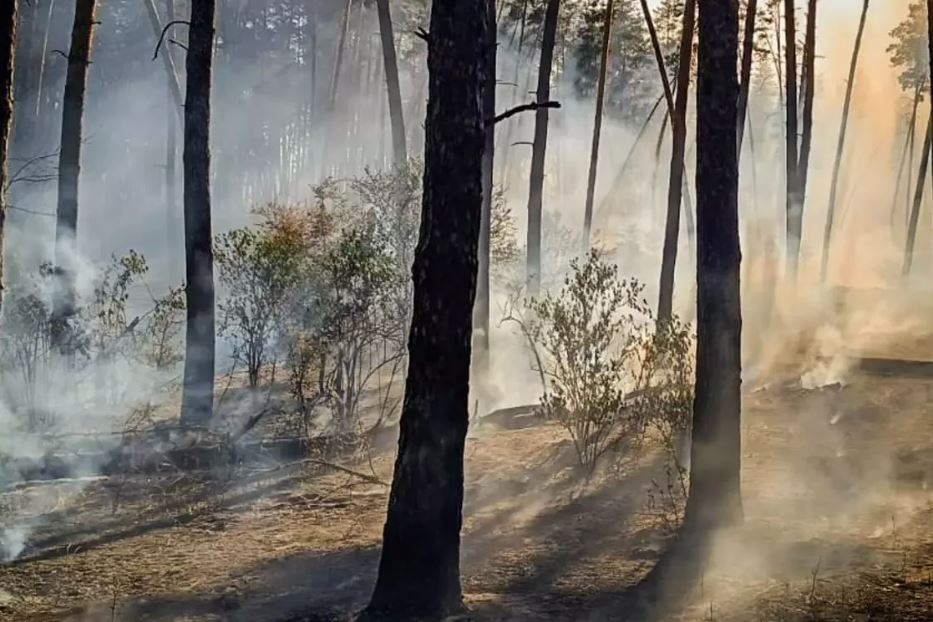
8,16
399,149
918,201
483,289
745,73
715,494
675,186
419,573
597,126
69,168
809,89
539,148
198,389
840,146
794,209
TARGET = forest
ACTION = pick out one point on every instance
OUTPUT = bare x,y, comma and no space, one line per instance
492,310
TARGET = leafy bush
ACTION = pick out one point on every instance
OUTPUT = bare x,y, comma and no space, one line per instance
609,370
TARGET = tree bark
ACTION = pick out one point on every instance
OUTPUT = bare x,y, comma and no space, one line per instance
198,388
597,126
809,89
419,574
745,73
675,186
8,16
794,209
840,146
539,148
918,202
399,149
715,493
483,287
69,168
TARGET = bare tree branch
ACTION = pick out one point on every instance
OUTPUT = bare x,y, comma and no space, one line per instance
511,112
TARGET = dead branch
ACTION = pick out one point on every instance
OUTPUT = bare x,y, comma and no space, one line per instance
330,465
511,112
174,22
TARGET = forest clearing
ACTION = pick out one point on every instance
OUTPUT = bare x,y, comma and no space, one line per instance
493,310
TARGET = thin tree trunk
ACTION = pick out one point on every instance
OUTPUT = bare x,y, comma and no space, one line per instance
904,163
168,60
338,55
419,575
399,150
8,16
69,168
173,105
745,79
510,124
539,149
715,493
794,209
675,186
840,146
918,201
809,90
198,388
658,56
597,126
483,288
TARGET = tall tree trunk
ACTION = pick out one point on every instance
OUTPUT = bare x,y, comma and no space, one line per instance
918,201
168,59
745,73
338,55
794,209
198,388
483,287
809,89
840,146
658,57
904,162
715,494
419,573
399,150
69,167
597,125
675,187
8,16
539,148
173,104
516,93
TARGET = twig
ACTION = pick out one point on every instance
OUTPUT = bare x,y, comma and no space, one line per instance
174,22
511,112
330,465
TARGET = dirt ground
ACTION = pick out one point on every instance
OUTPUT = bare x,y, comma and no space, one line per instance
836,498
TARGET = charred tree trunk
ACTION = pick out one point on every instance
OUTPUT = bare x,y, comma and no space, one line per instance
198,388
918,201
8,16
399,150
483,288
840,146
69,168
745,74
597,126
675,187
809,88
794,209
658,57
419,573
715,494
539,148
